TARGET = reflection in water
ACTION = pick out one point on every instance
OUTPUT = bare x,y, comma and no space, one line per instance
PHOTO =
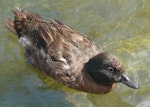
121,27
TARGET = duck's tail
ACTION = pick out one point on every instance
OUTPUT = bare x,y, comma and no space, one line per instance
22,22
10,23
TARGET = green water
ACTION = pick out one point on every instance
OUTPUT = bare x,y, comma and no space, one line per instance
118,26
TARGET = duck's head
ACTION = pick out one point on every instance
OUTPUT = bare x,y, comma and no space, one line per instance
106,69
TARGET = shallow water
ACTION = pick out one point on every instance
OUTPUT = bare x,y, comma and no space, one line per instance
118,26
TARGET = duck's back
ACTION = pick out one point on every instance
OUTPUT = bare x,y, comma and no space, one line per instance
52,46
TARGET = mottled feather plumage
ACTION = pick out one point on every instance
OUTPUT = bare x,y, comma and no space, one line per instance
59,51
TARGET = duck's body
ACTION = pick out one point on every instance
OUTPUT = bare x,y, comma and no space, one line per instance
61,52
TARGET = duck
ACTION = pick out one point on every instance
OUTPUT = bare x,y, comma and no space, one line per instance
66,55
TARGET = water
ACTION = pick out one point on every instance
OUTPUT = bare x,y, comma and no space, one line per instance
118,26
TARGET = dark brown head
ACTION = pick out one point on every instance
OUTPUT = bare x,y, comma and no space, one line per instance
106,69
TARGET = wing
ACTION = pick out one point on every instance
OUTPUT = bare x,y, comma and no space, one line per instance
67,46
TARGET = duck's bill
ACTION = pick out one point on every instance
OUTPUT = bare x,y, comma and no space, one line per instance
126,80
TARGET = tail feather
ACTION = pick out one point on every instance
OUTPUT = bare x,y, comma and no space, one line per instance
10,25
23,21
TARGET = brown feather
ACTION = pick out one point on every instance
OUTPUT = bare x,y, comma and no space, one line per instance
10,25
57,49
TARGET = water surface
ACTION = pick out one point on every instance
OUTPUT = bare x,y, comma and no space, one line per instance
118,26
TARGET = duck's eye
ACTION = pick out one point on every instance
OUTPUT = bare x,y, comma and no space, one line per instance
110,69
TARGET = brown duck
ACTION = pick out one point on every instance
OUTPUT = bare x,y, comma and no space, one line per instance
66,55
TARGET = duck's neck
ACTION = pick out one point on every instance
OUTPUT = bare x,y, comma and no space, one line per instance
89,85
